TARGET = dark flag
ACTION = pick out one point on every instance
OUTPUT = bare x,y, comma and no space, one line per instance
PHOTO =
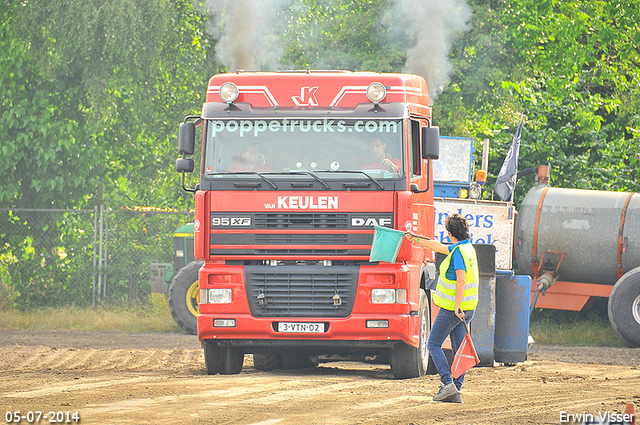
506,182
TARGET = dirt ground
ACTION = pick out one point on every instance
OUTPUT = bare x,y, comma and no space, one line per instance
133,378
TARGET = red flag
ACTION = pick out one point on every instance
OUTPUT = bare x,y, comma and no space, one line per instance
466,357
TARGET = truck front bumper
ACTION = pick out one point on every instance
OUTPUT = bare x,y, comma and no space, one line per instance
349,332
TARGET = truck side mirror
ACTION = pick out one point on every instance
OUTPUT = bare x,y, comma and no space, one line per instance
430,142
185,165
187,138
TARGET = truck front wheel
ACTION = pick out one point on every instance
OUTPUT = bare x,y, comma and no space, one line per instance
183,297
223,360
410,362
624,307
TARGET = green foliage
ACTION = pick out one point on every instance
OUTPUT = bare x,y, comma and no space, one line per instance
8,295
136,239
339,34
47,257
590,327
92,92
578,64
38,128
153,315
571,68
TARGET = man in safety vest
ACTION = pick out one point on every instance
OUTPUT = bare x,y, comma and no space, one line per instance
456,295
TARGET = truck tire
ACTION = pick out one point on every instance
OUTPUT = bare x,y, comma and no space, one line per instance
624,307
410,362
298,360
267,361
184,297
222,360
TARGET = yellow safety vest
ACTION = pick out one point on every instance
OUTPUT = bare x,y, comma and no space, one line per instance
445,296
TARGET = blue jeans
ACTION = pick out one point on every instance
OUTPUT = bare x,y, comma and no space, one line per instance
447,324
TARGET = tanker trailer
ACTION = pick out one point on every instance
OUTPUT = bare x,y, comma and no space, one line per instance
578,244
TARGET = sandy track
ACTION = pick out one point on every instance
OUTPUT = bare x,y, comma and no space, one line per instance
120,378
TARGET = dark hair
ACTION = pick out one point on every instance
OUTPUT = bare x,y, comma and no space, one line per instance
458,226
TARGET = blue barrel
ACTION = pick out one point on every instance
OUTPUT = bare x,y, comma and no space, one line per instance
513,296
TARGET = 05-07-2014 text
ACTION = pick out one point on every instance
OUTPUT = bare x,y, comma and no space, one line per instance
36,416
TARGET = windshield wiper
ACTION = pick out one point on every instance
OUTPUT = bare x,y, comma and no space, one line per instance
360,172
308,173
255,173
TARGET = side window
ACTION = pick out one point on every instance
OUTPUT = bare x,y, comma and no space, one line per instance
415,156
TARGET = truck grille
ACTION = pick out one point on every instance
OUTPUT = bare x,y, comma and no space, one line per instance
301,291
298,239
284,234
301,221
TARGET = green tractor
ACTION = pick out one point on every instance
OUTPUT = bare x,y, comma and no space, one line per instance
180,280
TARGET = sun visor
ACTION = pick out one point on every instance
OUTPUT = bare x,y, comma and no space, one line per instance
218,110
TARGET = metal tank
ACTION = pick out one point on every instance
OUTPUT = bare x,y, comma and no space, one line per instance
595,229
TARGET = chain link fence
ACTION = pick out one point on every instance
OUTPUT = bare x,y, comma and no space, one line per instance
80,257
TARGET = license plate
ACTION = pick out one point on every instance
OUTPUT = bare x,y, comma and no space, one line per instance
301,327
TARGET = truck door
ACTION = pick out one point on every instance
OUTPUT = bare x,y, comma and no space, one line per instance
418,176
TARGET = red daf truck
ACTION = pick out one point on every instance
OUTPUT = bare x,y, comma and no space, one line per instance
296,170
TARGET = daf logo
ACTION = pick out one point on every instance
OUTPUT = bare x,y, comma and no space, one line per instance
370,222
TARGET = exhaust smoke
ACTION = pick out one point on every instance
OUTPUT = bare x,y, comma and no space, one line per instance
247,33
434,25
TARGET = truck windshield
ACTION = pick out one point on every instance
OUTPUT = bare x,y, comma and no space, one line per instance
277,146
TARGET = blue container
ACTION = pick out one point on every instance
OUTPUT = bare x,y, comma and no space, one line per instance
513,296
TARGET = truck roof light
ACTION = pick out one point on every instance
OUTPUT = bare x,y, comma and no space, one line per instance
376,92
229,92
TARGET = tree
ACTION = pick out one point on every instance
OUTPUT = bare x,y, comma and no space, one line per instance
92,93
342,34
93,90
578,80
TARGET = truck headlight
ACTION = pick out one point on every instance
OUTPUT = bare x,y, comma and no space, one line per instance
376,92
229,92
388,296
215,296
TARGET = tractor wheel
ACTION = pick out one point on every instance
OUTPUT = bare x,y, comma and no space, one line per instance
410,362
624,307
223,360
184,297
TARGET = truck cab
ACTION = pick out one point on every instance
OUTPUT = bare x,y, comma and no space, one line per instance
296,170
